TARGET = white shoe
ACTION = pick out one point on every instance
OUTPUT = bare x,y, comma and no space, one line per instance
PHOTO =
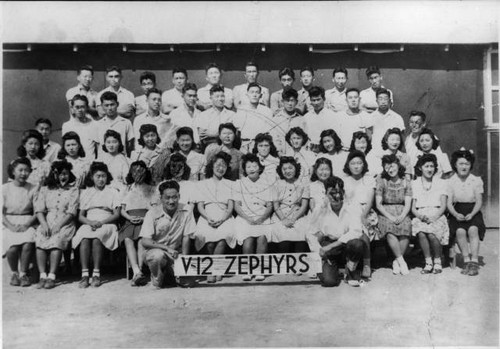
396,269
312,276
404,268
247,278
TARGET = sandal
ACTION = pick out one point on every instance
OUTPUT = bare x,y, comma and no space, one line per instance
465,270
438,268
473,269
427,269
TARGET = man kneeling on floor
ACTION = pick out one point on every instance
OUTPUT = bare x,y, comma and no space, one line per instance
165,233
337,231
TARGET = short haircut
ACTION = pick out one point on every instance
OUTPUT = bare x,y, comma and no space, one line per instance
153,90
352,155
288,93
146,128
317,164
52,180
182,132
393,131
212,65
97,166
70,136
18,161
251,64
169,184
79,98
230,126
109,96
383,91
113,68
265,137
209,169
180,70
462,154
418,113
286,71
189,87
43,121
254,84
340,70
435,140
147,75
333,182
298,131
352,89
307,68
245,159
423,160
317,91
21,150
336,139
85,67
372,70
392,159
148,178
177,157
288,160
115,135
216,88
359,135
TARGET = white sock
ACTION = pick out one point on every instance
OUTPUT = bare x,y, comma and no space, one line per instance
428,260
466,259
43,275
52,276
437,260
96,273
22,273
85,273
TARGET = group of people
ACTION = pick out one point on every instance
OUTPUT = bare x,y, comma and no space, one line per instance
194,170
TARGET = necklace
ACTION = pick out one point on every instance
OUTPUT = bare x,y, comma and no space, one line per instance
426,187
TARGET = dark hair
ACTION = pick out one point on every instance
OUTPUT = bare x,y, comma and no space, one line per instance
209,169
79,98
288,160
288,93
307,68
383,91
317,91
352,89
176,157
169,184
85,67
358,135
418,113
147,75
332,182
251,64
265,137
299,131
109,96
97,166
180,70
212,65
428,131
392,159
393,131
153,90
245,159
254,84
181,132
148,179
424,159
43,121
116,135
317,164
230,126
18,161
216,88
21,150
372,70
286,71
336,139
340,70
352,155
113,68
70,136
189,86
462,153
146,128
52,182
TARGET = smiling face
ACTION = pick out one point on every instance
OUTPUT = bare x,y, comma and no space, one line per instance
21,173
32,147
426,142
190,98
329,144
253,170
112,145
393,142
356,166
71,147
220,168
85,78
428,170
288,170
185,143
150,140
323,172
170,199
416,124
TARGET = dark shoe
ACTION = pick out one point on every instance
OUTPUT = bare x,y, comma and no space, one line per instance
25,281
14,280
139,280
367,272
465,270
96,281
84,282
49,284
41,284
473,269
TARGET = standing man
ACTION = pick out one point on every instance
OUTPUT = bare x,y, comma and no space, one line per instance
166,232
352,119
186,114
44,126
306,79
85,76
287,77
126,100
172,98
336,97
240,91
368,96
147,81
213,77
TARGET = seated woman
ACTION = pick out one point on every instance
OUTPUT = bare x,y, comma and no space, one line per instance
266,151
297,140
149,151
72,151
138,198
18,220
185,145
230,143
32,148
215,228
322,170
361,142
99,212
56,208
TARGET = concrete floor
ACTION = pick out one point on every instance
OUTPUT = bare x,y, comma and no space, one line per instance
284,311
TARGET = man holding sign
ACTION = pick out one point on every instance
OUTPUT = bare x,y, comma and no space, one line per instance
165,233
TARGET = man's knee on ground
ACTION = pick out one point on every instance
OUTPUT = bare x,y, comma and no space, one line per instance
157,256
354,249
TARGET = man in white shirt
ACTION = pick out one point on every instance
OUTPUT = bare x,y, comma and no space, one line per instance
213,77
84,125
126,100
147,81
185,115
336,97
172,99
85,76
240,91
352,119
306,80
368,96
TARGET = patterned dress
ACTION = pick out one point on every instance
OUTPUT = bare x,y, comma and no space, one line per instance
40,169
393,198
